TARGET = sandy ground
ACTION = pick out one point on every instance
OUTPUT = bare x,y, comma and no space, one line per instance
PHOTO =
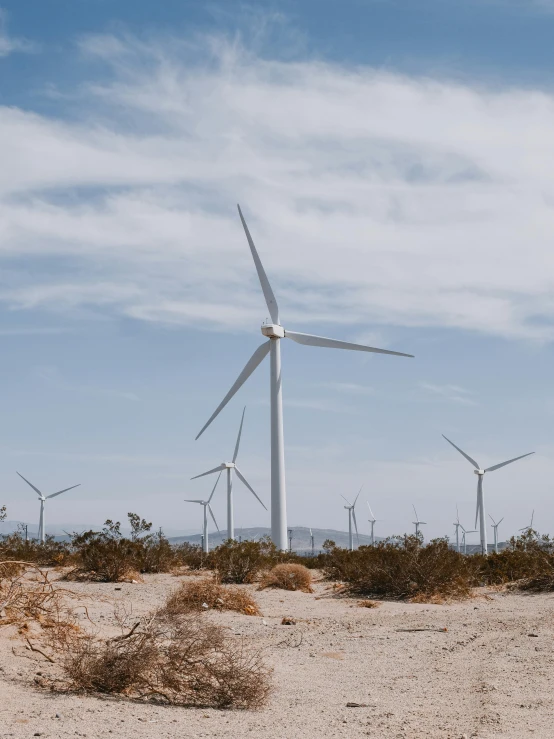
490,674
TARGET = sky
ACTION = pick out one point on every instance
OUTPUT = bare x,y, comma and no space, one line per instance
393,161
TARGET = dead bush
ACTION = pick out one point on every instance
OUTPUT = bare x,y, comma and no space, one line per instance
367,603
288,577
242,562
172,657
196,595
49,553
402,568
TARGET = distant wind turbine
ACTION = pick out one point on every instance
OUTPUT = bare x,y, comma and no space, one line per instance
530,527
464,542
417,522
312,540
352,517
43,499
495,525
480,509
274,331
232,467
457,526
372,521
207,507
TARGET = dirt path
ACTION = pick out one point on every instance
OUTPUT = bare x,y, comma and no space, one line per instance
483,677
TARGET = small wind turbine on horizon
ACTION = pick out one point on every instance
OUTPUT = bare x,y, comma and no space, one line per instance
207,507
312,541
480,510
457,526
274,332
372,521
464,532
43,499
530,527
352,517
495,525
232,467
417,522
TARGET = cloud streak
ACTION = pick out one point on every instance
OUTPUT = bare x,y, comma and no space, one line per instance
374,198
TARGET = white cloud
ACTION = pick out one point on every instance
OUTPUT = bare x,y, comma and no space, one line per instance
374,198
9,44
454,393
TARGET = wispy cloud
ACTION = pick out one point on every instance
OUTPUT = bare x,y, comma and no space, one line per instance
53,377
10,44
350,388
454,393
433,175
317,404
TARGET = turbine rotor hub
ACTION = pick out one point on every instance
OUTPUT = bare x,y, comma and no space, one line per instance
273,331
479,472
229,465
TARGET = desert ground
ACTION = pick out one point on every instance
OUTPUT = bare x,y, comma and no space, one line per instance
491,673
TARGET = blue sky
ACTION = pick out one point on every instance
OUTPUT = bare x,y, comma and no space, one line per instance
393,161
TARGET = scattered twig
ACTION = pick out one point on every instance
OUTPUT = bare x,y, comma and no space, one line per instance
36,649
126,636
441,631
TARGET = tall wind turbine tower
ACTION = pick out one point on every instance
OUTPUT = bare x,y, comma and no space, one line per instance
464,533
530,527
43,499
352,517
480,509
417,522
207,507
231,467
372,521
495,525
274,332
457,526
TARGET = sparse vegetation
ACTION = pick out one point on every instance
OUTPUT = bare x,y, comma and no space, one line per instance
208,593
242,562
288,576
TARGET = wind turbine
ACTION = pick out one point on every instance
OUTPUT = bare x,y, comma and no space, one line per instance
480,510
372,521
495,526
352,516
312,541
43,499
230,467
530,527
274,332
457,526
417,522
207,507
464,532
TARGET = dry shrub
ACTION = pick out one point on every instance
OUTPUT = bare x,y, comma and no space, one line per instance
170,656
193,595
288,577
242,562
367,603
402,568
51,553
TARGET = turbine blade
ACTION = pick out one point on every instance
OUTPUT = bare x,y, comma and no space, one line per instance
356,525
264,282
357,496
236,454
342,496
212,515
469,459
31,484
492,519
243,479
503,464
479,496
498,524
210,472
417,517
251,365
213,491
457,514
311,340
532,517
63,491
188,500
371,512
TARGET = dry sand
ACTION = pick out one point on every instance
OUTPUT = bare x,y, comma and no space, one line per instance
486,676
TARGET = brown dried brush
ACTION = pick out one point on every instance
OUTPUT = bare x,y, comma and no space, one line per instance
196,595
288,577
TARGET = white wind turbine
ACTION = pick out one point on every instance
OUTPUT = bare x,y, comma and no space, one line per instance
480,510
530,527
43,499
352,517
230,467
372,521
207,507
274,332
495,525
417,522
312,542
457,526
464,532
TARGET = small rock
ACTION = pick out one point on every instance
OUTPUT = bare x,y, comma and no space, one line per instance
205,606
356,705
288,621
58,715
117,588
536,635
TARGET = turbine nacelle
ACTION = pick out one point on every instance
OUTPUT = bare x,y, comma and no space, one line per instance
273,331
479,472
229,465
